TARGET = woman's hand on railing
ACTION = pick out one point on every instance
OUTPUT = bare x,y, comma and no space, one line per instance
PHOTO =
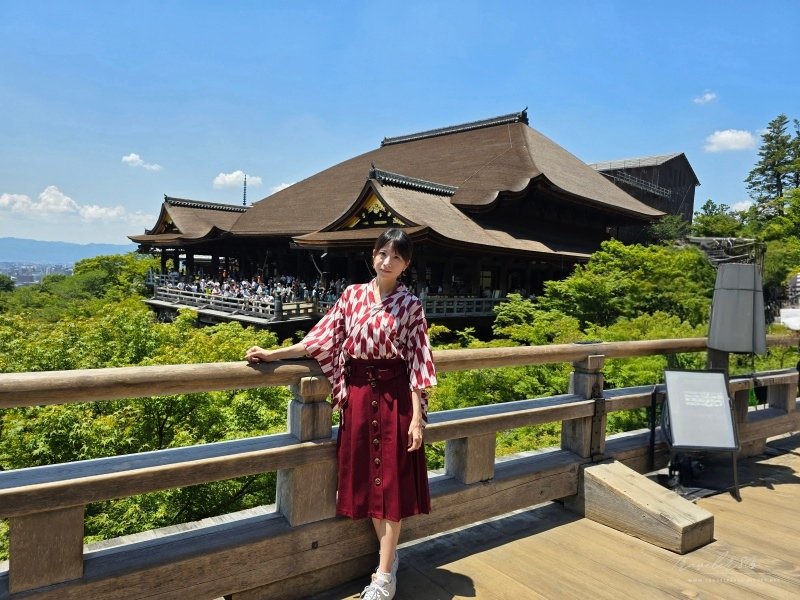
256,354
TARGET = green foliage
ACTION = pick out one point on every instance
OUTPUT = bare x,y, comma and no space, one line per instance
669,228
769,177
626,281
781,258
521,321
627,372
6,283
716,220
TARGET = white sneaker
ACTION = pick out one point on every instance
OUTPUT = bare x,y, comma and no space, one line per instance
382,587
395,565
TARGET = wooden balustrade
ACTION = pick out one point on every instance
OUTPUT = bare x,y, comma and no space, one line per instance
249,556
270,310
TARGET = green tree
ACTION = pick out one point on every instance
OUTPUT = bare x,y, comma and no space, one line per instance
669,228
6,283
768,178
628,280
716,220
794,154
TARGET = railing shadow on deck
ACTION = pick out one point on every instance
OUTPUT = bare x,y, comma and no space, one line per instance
298,547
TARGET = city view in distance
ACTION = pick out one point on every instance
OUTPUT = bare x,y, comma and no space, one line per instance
27,261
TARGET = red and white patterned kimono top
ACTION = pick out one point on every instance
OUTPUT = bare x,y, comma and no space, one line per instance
364,327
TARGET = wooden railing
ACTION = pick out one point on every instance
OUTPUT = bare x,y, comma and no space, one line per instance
270,310
264,553
164,290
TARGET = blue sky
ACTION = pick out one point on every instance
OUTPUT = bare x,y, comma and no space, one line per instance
107,106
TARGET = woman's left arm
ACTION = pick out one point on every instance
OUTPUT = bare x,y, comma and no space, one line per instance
416,431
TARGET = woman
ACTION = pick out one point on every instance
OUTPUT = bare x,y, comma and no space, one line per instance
373,347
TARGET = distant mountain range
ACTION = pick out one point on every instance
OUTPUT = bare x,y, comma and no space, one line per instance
33,251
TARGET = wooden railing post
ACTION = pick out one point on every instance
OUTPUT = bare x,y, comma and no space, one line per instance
586,437
45,548
470,459
783,396
308,493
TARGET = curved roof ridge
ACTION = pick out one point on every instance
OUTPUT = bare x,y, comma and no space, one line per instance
203,204
517,117
412,183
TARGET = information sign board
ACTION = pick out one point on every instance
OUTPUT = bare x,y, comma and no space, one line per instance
698,412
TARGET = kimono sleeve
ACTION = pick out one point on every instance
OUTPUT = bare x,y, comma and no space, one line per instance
421,372
324,344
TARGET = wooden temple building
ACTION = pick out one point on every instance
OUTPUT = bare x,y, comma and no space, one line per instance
493,206
666,182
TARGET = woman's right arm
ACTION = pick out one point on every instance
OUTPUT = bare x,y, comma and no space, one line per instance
257,354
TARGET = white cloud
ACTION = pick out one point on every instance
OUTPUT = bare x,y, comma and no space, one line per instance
277,188
705,97
742,206
235,179
134,160
15,202
52,202
730,139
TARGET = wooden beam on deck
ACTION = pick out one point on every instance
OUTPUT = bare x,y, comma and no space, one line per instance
619,497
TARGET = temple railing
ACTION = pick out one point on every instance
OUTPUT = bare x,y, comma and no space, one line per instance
299,545
261,308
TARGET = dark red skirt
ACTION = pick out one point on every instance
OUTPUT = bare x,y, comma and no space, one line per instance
378,476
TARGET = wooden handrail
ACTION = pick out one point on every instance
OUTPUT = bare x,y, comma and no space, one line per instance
82,385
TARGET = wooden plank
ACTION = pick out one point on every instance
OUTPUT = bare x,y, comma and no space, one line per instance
707,572
630,556
479,420
615,495
767,422
44,496
83,385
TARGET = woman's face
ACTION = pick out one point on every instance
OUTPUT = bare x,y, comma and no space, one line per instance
388,264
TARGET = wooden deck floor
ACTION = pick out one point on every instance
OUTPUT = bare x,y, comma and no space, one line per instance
547,552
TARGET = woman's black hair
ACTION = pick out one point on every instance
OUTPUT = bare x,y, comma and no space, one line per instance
398,239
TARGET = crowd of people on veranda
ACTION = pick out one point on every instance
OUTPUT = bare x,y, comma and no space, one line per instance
285,288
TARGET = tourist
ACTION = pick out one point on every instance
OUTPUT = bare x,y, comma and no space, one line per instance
379,384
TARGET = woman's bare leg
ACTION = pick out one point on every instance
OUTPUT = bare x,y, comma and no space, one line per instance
388,533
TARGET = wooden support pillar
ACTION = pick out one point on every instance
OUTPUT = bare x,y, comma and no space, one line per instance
45,548
586,437
783,396
190,264
447,283
741,409
422,271
352,268
470,459
163,262
717,359
308,493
